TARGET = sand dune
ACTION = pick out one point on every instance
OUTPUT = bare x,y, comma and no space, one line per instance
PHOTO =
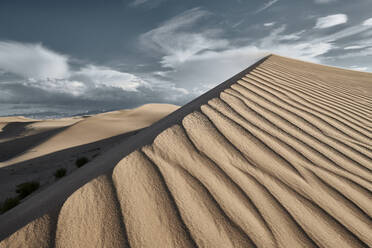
76,131
35,149
19,127
278,156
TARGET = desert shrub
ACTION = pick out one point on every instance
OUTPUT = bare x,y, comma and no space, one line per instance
81,161
24,189
8,204
60,173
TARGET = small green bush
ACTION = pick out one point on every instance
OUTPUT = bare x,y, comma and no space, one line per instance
60,173
8,204
24,189
81,161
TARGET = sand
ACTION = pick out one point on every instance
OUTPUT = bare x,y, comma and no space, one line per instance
278,156
34,149
76,131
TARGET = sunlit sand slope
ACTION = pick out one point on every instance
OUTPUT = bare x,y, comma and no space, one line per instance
281,158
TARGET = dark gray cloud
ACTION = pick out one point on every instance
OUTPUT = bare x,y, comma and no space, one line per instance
57,60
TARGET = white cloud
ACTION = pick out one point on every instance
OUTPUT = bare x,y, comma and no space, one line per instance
66,86
208,59
353,47
293,36
305,50
47,74
360,44
175,39
330,21
32,60
209,68
272,38
355,54
269,24
103,76
368,22
267,5
359,68
324,1
345,33
196,58
89,78
238,23
138,2
145,3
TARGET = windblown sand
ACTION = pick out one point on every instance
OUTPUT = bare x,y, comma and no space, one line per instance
282,158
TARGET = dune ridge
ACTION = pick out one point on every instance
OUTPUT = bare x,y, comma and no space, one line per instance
278,156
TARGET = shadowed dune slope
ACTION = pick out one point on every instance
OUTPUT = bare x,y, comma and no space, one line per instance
278,157
65,133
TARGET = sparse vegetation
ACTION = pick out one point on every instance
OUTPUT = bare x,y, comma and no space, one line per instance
60,173
81,161
8,204
24,189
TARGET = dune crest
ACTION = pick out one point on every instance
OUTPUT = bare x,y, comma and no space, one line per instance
278,156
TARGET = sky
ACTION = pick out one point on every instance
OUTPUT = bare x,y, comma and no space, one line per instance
73,57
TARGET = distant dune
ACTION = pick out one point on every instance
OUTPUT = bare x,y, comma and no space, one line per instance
33,150
75,131
278,156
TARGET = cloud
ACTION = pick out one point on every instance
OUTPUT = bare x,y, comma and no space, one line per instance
266,6
359,44
83,81
39,102
193,72
315,48
65,86
178,42
307,50
353,47
358,68
324,1
293,36
32,61
97,76
207,69
193,54
355,54
269,24
65,97
207,58
189,64
330,21
138,2
345,33
46,79
145,3
368,22
45,69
